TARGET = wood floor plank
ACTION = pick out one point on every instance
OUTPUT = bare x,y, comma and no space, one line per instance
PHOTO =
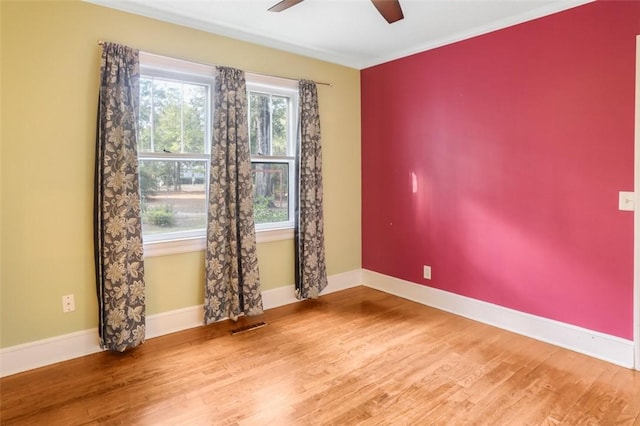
358,356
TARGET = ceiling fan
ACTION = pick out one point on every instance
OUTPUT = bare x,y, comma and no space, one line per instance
389,9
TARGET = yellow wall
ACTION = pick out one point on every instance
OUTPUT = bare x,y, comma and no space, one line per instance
50,67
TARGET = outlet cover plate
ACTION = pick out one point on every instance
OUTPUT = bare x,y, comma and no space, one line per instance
626,201
68,303
426,272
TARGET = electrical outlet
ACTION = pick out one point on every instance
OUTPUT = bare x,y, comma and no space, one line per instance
426,272
68,303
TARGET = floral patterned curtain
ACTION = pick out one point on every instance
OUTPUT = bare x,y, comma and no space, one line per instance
311,271
118,225
232,284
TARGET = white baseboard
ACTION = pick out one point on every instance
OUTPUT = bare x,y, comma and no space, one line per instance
16,359
598,345
285,295
19,358
172,321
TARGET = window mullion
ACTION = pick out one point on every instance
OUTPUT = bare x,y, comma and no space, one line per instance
271,158
172,156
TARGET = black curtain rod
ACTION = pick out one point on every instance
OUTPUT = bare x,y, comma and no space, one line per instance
101,43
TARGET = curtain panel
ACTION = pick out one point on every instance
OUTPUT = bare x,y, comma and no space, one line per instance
232,285
311,271
118,225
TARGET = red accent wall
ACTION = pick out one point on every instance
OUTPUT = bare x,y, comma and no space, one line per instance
498,161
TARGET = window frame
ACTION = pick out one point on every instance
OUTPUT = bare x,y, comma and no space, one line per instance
274,86
180,70
170,69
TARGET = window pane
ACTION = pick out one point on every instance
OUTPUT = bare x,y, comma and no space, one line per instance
194,118
270,192
259,124
280,125
167,100
173,116
173,195
144,124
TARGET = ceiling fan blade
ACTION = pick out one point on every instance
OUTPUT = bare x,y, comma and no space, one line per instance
283,5
389,9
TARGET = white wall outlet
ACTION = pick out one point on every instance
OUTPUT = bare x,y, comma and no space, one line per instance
426,272
68,303
626,201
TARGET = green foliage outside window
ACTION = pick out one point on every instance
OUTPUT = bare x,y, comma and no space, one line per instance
172,116
162,216
267,212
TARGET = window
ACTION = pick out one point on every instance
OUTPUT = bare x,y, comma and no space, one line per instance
174,138
272,130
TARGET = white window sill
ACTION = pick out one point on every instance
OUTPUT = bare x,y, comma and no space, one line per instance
187,245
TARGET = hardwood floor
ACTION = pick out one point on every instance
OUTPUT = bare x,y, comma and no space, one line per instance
354,357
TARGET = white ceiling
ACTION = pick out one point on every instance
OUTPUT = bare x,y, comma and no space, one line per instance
346,32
